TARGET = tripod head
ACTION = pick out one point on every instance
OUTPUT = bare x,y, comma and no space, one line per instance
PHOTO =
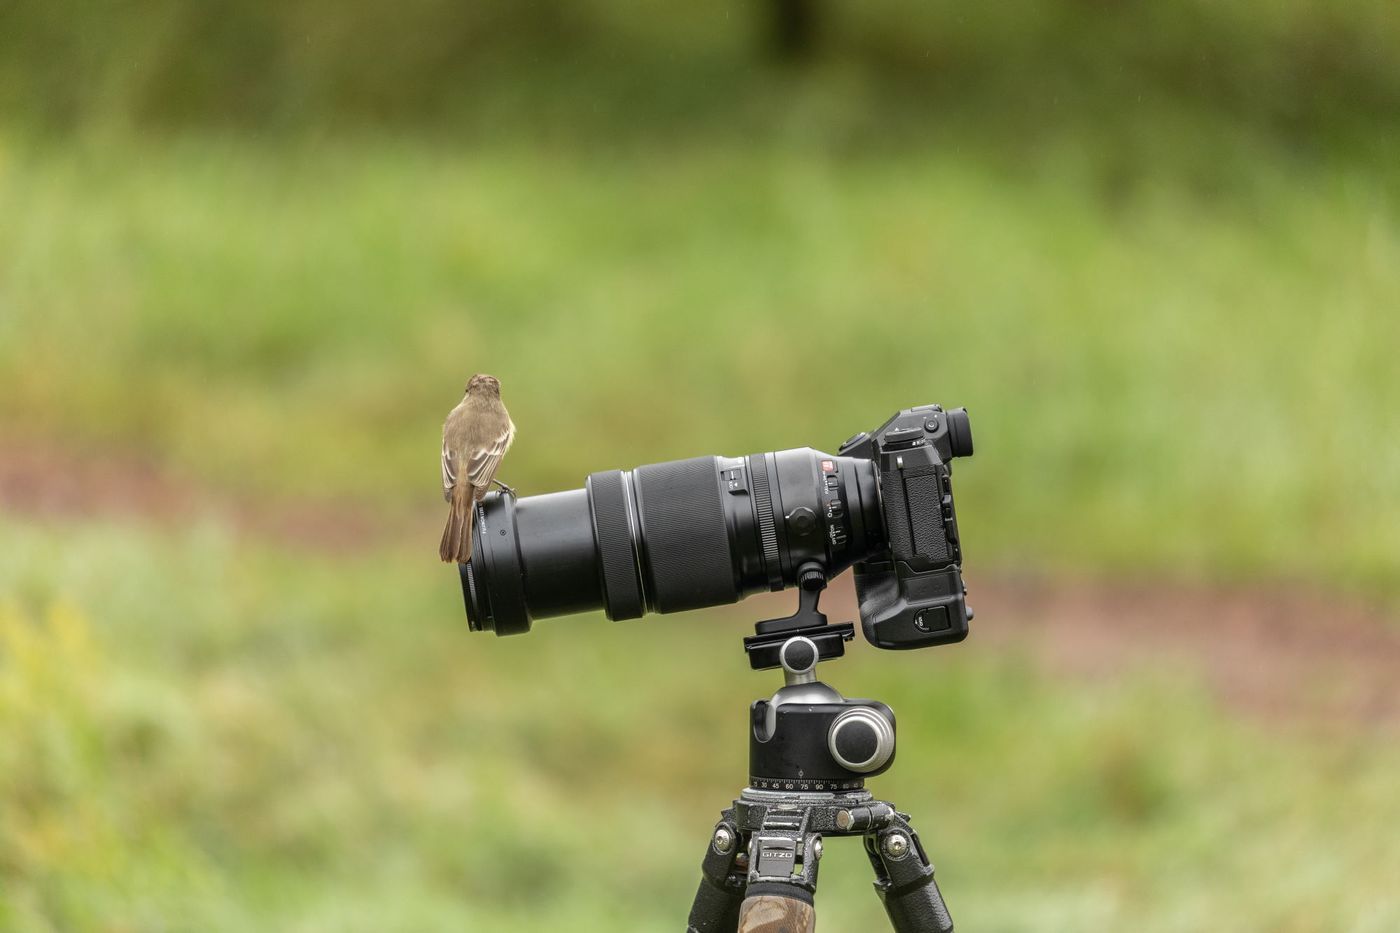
807,737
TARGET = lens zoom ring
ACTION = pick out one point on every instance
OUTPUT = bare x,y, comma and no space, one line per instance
687,538
622,587
763,502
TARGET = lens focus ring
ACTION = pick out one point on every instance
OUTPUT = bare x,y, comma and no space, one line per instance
763,505
622,586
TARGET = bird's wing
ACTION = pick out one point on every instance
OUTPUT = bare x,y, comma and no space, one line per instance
449,470
487,457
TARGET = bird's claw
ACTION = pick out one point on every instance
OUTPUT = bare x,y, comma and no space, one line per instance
507,490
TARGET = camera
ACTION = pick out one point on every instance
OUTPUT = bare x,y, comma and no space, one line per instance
667,537
688,534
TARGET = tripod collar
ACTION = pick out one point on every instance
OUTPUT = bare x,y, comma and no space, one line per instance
765,649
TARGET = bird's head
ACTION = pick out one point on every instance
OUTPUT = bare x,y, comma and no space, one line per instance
482,384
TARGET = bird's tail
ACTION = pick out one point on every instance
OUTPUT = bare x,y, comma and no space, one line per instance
456,544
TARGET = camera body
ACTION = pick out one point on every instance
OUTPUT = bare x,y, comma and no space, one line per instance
913,595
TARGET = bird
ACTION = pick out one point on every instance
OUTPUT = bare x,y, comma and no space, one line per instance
475,437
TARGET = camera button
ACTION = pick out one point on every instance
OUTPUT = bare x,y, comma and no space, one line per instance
933,619
802,520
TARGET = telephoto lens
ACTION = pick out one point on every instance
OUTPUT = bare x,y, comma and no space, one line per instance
667,537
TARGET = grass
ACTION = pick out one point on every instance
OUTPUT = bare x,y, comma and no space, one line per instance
202,735
1178,349
1164,378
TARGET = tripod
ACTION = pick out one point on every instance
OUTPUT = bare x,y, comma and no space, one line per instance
810,750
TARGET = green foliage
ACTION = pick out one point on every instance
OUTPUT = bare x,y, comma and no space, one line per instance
606,68
1165,376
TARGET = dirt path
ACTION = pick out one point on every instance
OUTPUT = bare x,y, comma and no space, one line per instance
1286,654
1277,652
39,480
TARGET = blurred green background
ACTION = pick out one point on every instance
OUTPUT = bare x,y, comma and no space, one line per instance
251,250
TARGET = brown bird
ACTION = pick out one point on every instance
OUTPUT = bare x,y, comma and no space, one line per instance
475,436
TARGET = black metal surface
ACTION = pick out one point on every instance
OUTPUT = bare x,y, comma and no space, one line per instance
780,823
783,855
722,882
764,650
779,836
905,885
609,509
912,596
685,535
672,536
796,757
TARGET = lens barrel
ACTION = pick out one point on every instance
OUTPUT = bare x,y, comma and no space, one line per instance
668,537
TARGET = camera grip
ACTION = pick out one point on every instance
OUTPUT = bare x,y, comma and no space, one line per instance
918,511
904,608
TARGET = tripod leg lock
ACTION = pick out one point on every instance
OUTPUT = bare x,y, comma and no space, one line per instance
904,879
861,819
783,859
783,851
723,877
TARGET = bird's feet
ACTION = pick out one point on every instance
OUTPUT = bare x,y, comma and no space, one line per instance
506,489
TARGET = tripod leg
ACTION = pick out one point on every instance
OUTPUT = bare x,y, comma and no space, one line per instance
781,912
716,906
904,879
783,859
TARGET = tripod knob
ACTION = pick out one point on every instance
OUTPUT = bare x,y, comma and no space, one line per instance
799,655
861,740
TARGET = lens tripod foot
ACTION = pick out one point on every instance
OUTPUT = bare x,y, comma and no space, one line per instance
904,879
